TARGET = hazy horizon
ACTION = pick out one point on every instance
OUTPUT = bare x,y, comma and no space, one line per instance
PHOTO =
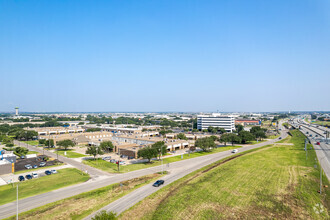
164,56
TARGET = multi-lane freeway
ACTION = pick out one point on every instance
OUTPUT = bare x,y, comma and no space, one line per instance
317,134
176,171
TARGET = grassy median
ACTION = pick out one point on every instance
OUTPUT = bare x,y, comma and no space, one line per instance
64,177
273,182
82,205
113,168
70,154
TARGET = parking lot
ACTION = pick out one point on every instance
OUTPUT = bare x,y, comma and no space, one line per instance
10,178
20,163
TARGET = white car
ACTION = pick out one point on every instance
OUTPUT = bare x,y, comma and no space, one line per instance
28,166
234,151
53,171
35,175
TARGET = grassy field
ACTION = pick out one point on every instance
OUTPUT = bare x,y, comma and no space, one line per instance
64,177
32,142
81,205
70,154
113,168
273,136
324,123
274,182
33,152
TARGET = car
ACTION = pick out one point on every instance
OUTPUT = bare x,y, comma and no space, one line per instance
316,135
21,178
122,162
28,166
22,157
318,143
47,172
112,161
35,175
53,171
234,151
158,183
42,164
280,138
106,158
311,135
35,166
28,177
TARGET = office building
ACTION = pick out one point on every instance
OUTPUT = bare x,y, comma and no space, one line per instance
226,122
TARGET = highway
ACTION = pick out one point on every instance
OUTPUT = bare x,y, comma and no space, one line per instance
175,173
176,170
316,134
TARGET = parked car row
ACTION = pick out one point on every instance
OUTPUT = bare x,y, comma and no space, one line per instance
28,176
29,166
35,175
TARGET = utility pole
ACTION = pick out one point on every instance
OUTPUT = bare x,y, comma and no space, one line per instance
17,201
306,147
320,178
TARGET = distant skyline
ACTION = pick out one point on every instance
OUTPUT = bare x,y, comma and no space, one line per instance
164,56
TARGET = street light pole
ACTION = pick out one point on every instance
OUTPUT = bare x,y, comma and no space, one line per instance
320,179
17,201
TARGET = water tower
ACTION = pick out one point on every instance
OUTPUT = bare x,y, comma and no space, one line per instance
16,109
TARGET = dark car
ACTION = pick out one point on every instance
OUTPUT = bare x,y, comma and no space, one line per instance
21,178
317,143
47,172
35,166
28,177
158,183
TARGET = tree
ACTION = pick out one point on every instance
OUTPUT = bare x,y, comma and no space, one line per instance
92,150
49,143
66,144
245,136
182,136
222,130
147,153
229,137
103,215
107,146
21,151
214,138
212,130
160,147
205,143
239,128
260,134
42,141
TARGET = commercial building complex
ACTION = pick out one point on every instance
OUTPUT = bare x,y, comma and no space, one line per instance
226,122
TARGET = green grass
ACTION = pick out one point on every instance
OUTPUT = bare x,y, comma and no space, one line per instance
80,206
70,154
275,182
33,152
273,136
32,142
113,168
64,177
324,123
39,168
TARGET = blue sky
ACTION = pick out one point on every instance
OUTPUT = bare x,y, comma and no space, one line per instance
164,55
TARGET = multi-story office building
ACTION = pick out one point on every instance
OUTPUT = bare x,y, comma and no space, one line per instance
226,122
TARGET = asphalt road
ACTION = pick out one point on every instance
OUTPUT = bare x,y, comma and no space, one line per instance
176,171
